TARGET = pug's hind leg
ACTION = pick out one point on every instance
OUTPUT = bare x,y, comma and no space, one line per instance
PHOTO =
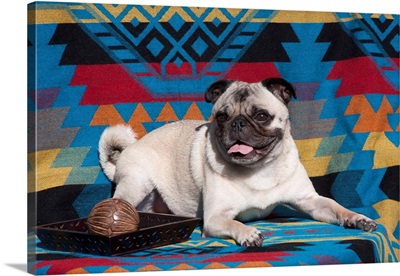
137,192
223,227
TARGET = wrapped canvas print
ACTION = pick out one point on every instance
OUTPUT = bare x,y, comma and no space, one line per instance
91,66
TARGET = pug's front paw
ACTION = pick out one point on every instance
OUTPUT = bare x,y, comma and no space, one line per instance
360,222
367,225
251,237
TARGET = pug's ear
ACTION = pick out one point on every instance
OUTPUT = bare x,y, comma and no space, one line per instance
282,89
215,90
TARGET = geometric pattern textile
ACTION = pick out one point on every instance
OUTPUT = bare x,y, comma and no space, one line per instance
95,65
288,242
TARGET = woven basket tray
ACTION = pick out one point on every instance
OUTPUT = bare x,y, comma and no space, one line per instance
154,230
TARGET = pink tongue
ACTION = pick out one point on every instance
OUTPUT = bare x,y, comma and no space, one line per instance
243,149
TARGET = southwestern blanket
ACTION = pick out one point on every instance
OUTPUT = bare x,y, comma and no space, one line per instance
95,65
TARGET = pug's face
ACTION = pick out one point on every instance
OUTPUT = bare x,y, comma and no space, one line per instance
249,118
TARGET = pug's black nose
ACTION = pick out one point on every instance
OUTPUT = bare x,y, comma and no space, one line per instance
239,123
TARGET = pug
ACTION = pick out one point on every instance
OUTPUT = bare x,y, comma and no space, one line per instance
236,168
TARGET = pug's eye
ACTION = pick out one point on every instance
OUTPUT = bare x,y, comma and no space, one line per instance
262,117
221,117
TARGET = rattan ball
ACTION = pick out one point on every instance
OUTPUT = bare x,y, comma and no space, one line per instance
112,217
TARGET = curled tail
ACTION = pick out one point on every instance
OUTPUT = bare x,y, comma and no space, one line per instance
112,142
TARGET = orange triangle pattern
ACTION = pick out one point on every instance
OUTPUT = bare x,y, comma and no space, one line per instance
183,266
149,268
216,266
115,269
139,116
107,115
167,114
193,113
79,270
369,121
